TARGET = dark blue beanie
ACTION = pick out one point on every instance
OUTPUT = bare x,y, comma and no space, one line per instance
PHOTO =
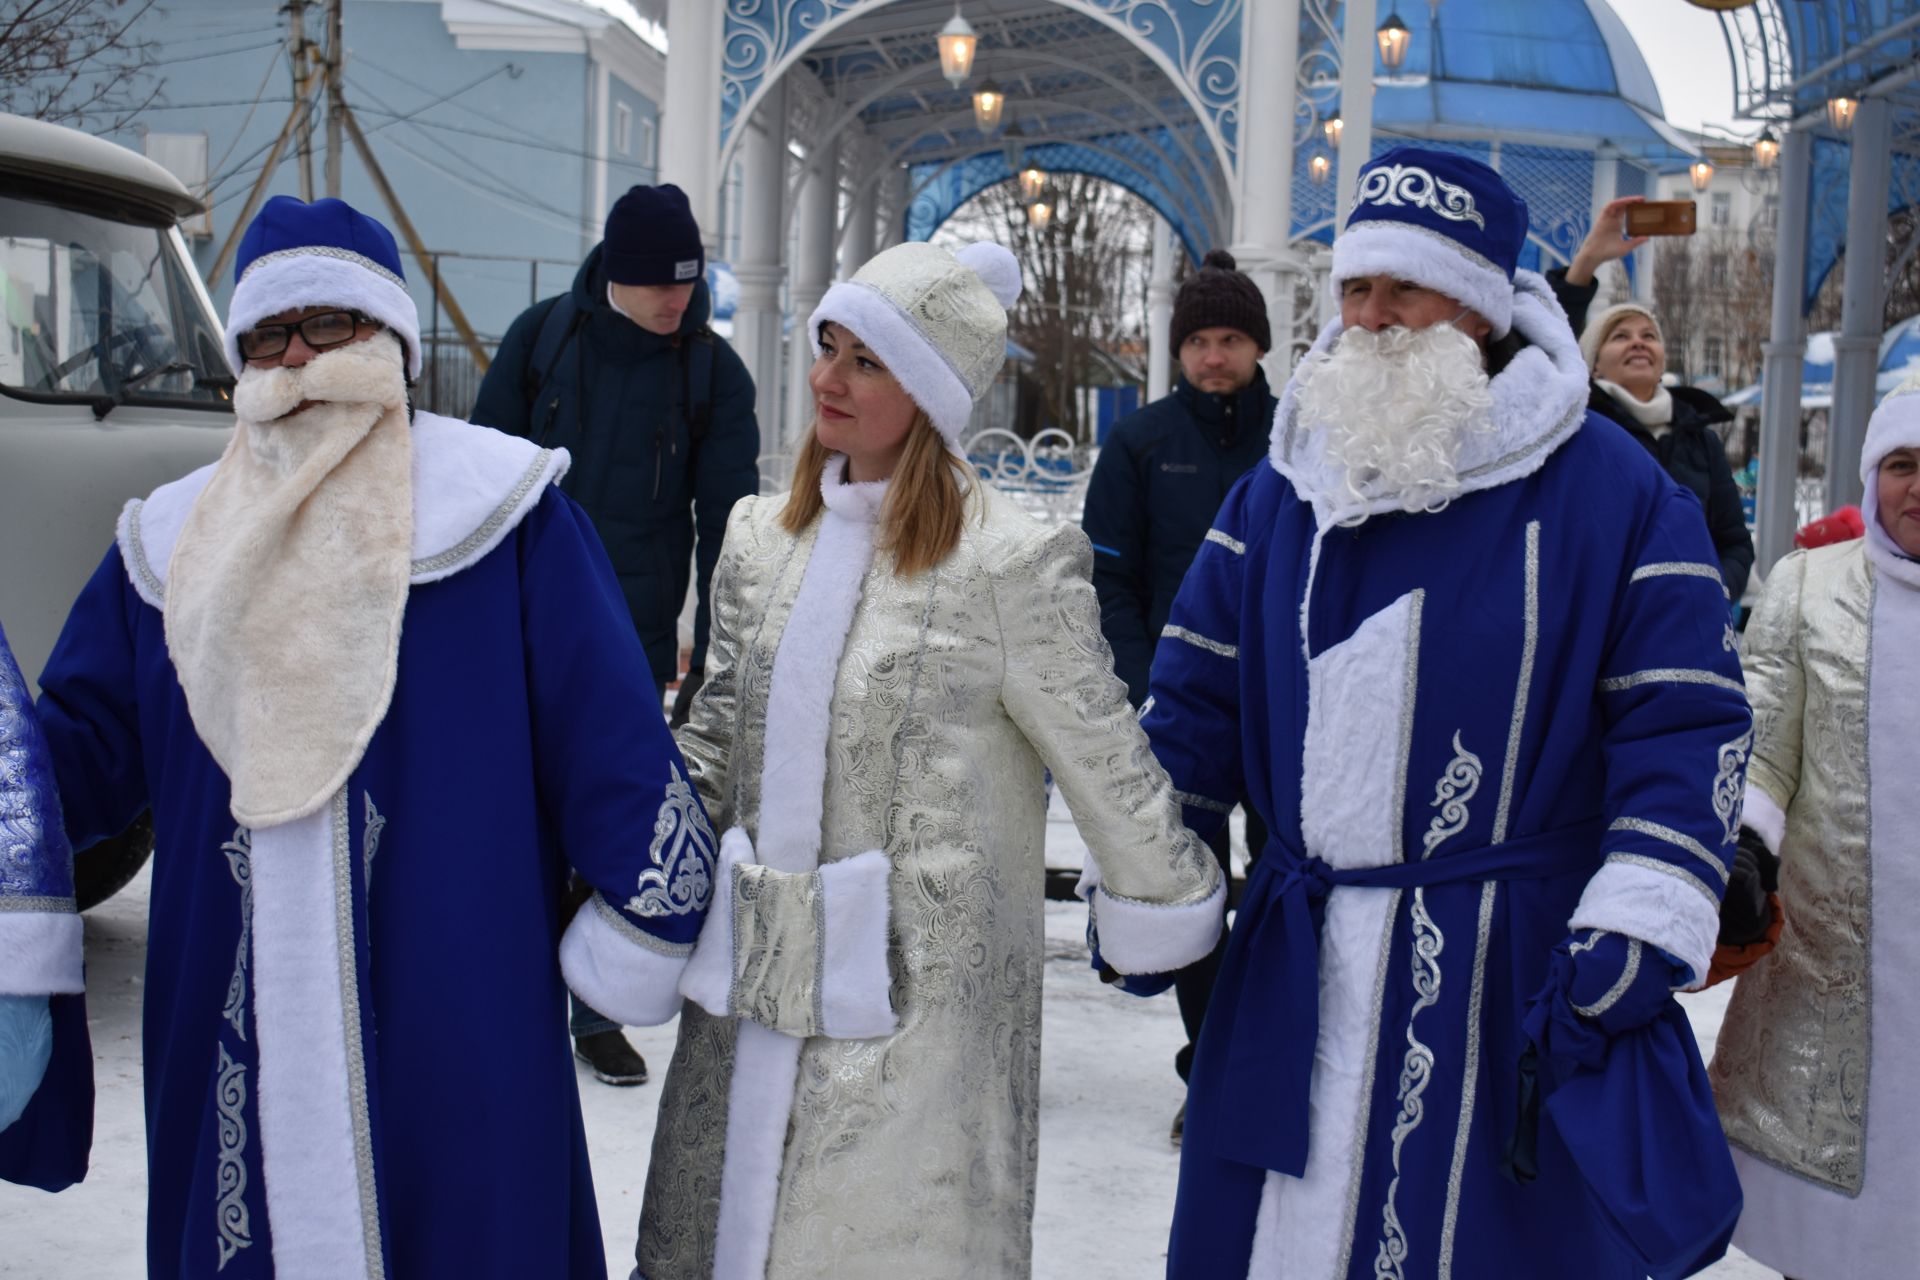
653,239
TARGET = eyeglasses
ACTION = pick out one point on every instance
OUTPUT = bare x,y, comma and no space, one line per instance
328,329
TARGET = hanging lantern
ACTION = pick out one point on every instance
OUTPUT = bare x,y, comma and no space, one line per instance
1702,173
1319,168
1394,39
1766,149
988,103
957,43
1332,128
1039,213
1032,183
1013,147
1840,112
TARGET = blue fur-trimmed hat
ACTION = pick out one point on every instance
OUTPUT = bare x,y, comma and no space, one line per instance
322,254
1440,220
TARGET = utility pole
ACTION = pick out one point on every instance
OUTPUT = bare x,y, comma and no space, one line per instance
336,97
299,53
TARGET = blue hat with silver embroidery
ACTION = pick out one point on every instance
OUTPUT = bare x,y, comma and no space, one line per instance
323,254
1440,220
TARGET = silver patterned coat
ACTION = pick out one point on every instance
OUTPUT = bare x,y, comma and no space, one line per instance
914,1153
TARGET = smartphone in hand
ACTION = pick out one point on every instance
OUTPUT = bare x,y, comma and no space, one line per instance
1661,218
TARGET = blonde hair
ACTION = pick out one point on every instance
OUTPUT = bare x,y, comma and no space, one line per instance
926,507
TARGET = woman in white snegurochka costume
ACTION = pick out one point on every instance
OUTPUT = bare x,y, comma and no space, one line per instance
1816,1055
898,654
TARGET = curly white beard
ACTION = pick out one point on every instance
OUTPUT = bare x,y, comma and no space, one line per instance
1395,408
369,373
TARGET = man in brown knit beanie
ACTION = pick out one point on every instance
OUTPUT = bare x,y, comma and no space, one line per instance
1163,472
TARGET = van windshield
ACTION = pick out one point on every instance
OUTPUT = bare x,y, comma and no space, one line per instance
102,311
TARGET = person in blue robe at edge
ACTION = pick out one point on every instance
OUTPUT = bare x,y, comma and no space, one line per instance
1465,647
374,675
43,1016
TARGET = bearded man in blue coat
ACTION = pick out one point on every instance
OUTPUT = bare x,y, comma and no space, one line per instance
1466,650
375,678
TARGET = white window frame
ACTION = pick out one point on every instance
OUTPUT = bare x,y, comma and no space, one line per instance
649,142
622,128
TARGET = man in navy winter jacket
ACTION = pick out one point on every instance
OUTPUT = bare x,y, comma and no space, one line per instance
1161,477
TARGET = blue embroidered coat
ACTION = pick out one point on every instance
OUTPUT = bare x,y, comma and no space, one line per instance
524,735
1467,731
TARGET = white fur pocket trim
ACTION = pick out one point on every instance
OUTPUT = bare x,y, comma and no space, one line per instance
624,972
40,953
708,978
1155,937
854,982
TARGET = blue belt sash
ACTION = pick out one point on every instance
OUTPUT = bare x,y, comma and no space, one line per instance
1253,1065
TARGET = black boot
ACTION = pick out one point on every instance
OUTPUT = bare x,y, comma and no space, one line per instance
613,1060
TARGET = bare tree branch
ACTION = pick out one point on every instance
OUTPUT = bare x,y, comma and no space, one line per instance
76,62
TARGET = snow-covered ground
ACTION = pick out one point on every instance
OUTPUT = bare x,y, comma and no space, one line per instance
1107,1095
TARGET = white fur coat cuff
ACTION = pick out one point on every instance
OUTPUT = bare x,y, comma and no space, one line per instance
708,978
624,972
1661,905
1139,937
854,982
40,953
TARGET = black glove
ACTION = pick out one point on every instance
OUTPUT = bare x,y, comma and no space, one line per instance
1744,914
683,698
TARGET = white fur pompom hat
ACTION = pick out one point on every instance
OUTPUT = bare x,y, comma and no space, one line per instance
937,320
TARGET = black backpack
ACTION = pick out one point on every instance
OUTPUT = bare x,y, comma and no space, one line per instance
560,322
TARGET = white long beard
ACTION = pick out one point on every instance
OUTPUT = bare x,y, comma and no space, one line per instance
1395,409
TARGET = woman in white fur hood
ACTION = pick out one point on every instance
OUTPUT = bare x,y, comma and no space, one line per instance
897,656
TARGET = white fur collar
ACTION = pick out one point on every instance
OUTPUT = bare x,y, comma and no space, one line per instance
856,500
1656,415
1539,401
471,486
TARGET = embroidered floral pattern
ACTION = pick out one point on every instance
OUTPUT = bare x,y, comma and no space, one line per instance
1416,1072
1406,184
681,877
376,822
28,799
1450,795
230,1098
239,851
1729,784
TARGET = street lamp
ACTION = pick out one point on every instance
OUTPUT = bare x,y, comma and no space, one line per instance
1840,112
1032,183
1702,172
1332,128
1319,168
1013,145
957,43
988,103
1039,213
1394,39
1766,149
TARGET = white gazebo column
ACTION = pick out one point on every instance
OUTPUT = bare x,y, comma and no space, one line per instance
1356,103
763,188
1160,312
891,228
812,273
1263,221
690,116
856,243
1857,349
1783,355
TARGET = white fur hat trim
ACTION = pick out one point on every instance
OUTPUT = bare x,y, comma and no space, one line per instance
1428,258
330,278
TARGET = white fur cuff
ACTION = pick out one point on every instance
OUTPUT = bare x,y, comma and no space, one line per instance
1655,902
854,980
287,283
1764,818
624,972
1151,937
40,953
708,978
1427,258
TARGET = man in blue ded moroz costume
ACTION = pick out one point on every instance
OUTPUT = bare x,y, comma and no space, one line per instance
373,674
1469,658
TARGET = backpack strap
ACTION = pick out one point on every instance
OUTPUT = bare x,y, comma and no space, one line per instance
559,321
696,375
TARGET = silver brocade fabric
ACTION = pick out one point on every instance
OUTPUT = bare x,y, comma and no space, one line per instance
914,1155
1790,1070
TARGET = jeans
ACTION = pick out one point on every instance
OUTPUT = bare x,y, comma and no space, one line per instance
1193,985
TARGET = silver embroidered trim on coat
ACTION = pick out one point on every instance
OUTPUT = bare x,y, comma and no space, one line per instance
1351,1219
375,822
1202,802
639,937
1679,839
1470,1072
1408,184
1416,1072
1450,795
1199,641
1729,784
680,881
138,547
1228,541
479,537
230,1168
1670,675
1410,684
1679,569
1619,988
58,906
324,251
1668,869
1529,649
356,1049
239,851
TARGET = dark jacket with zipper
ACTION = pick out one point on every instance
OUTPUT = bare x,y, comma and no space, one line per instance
1162,475
621,400
1691,451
